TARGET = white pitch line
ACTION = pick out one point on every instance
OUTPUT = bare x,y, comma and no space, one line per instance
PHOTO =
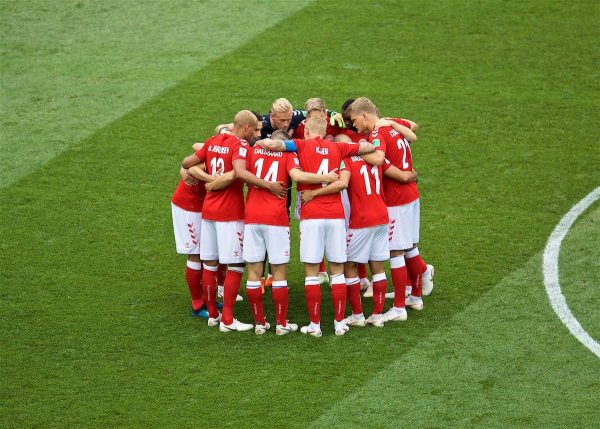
551,282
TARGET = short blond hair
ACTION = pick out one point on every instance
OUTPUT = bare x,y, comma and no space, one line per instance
314,104
281,105
363,105
316,126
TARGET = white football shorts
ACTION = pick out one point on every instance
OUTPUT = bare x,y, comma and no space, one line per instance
186,226
262,239
368,244
222,241
404,225
346,205
318,236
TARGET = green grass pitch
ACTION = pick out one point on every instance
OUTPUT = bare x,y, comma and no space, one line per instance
101,101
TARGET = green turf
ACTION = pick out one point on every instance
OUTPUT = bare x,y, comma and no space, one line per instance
488,367
69,69
98,332
579,270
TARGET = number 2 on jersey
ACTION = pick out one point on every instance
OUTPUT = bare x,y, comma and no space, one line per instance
217,166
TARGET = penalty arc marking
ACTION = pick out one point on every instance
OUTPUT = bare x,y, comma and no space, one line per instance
551,281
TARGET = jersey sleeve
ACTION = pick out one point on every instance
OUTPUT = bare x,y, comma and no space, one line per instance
292,161
380,142
240,150
386,165
344,164
348,149
201,153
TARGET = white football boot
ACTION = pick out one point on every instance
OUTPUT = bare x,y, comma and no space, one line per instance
414,302
369,292
340,327
428,280
395,314
261,329
284,330
390,295
355,320
214,321
220,289
236,325
312,329
376,320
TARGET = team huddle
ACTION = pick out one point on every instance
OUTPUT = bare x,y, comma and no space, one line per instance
357,202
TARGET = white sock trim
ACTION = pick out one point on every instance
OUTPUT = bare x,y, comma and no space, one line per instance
379,277
194,265
311,281
236,269
210,267
252,284
280,283
397,262
412,253
338,279
352,281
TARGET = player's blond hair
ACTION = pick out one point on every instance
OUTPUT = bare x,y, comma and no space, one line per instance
244,117
316,126
280,135
313,104
363,105
281,105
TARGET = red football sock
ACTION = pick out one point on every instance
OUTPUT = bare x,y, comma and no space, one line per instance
338,296
279,294
193,276
221,272
312,292
230,291
399,277
255,294
414,266
353,292
379,288
362,271
322,267
209,279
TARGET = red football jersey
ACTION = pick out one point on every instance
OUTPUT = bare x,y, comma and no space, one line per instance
332,130
365,192
218,153
262,207
189,198
397,151
320,156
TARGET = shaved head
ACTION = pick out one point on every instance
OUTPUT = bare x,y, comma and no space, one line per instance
244,117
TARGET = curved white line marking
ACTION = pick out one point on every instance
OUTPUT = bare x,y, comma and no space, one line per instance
551,253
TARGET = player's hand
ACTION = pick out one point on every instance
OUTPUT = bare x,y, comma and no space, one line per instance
307,196
278,189
332,176
365,147
383,122
413,177
338,120
187,177
210,187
